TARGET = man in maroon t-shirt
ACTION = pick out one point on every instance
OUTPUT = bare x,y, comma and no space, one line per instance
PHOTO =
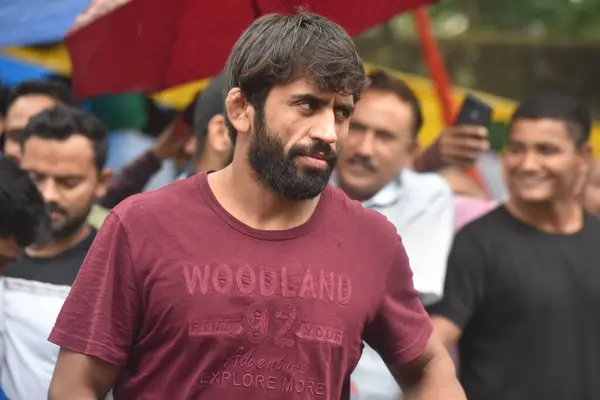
258,281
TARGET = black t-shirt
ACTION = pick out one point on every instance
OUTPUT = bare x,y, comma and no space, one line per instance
59,270
528,304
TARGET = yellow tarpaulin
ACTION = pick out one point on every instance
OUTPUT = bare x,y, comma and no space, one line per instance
57,59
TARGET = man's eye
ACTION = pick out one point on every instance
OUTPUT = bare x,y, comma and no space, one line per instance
35,177
307,105
342,114
70,183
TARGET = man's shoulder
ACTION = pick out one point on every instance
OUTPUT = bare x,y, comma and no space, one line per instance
371,223
426,185
495,221
592,221
97,216
165,200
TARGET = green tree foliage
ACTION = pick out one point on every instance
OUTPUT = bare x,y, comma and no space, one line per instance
542,18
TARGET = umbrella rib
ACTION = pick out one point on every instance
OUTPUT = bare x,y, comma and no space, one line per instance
255,8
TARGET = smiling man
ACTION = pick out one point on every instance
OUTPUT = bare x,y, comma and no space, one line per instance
258,281
64,152
522,291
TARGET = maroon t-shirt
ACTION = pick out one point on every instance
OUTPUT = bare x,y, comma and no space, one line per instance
193,303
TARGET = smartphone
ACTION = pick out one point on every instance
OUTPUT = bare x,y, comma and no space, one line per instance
474,112
477,112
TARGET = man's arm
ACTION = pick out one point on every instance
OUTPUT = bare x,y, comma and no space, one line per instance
446,331
131,180
135,175
459,146
401,332
98,323
431,376
463,289
81,377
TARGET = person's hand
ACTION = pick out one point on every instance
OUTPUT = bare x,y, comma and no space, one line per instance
171,142
461,146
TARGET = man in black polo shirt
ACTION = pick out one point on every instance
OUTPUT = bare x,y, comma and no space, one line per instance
522,292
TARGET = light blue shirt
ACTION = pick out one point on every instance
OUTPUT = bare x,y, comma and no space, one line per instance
421,206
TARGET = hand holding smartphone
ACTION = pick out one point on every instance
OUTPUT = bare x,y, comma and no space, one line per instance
474,112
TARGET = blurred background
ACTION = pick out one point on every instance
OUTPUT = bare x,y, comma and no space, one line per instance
506,50
150,70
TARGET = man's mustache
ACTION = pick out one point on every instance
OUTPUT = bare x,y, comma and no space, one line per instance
365,162
317,149
55,208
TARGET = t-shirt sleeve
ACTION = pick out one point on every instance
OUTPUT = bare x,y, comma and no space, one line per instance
465,279
401,328
101,313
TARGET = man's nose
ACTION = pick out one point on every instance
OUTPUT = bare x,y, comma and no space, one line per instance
324,129
49,191
366,144
529,162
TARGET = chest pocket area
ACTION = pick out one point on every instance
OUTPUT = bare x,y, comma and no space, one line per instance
526,280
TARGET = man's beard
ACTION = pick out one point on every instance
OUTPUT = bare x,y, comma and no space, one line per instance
71,225
279,172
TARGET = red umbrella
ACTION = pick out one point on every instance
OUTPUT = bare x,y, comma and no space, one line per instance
151,45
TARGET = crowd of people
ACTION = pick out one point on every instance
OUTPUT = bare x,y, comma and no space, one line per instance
309,248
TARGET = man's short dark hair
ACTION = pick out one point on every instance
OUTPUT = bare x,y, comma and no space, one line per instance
46,87
22,210
380,80
4,93
571,111
210,102
278,49
61,122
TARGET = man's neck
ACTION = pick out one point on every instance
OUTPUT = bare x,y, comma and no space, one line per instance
59,246
207,163
239,192
562,217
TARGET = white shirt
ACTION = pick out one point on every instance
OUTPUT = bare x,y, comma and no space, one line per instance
421,206
30,311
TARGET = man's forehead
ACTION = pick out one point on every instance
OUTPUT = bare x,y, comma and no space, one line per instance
542,130
305,86
25,107
70,156
31,102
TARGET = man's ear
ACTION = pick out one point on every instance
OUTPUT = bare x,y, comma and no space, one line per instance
238,111
218,134
104,178
413,150
586,152
586,157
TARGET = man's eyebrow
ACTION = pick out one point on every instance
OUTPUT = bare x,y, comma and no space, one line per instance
310,97
58,176
345,107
